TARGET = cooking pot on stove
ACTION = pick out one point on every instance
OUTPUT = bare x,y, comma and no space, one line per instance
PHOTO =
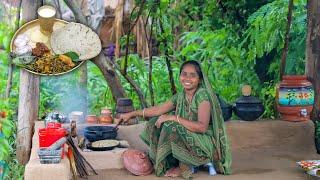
96,133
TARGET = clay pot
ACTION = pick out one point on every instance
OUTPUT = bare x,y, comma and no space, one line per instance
124,109
225,108
124,102
92,119
106,111
137,162
3,114
295,98
248,108
104,119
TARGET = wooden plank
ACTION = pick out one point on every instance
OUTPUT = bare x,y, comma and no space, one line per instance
28,95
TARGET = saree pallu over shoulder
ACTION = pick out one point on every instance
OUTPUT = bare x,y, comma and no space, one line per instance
223,158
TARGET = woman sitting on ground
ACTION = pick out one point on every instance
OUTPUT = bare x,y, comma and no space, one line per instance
194,135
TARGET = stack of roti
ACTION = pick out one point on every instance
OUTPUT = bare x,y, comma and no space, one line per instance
78,38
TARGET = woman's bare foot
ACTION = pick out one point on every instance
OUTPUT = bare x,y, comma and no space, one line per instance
173,172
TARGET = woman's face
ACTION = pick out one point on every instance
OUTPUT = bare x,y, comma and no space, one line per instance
189,77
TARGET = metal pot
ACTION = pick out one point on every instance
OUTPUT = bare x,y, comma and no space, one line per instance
225,108
248,108
96,133
55,117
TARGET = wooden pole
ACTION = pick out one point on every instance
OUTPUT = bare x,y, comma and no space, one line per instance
28,95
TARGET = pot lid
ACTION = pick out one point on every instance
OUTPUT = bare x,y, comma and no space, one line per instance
246,90
248,100
137,162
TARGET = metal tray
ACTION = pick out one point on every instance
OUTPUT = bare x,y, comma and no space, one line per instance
33,27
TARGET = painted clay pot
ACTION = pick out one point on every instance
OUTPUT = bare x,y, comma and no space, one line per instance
295,98
137,162
92,119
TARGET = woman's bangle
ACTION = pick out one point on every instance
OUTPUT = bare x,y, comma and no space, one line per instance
178,119
143,112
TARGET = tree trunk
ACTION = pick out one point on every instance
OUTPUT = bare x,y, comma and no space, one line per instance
110,75
108,72
286,43
313,49
118,26
28,95
10,68
313,62
309,69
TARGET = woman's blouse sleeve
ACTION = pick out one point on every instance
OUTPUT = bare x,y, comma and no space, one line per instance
202,95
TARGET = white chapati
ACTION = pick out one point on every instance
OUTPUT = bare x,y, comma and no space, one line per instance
78,38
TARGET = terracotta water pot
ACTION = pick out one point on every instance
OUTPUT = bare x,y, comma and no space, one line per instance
104,119
92,119
137,162
106,111
295,98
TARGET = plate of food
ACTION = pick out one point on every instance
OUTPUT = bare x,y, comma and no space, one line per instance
54,53
78,38
308,165
314,172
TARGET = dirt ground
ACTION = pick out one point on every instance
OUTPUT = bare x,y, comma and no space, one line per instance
262,150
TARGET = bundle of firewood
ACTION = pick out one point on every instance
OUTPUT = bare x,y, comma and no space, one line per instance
78,163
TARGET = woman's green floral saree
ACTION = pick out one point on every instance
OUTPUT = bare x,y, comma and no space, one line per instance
174,145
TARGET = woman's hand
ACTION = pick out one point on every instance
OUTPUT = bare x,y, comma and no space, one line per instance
126,116
164,118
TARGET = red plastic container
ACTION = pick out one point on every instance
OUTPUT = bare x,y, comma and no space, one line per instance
53,125
50,135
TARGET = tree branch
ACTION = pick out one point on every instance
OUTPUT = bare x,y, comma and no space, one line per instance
166,52
133,84
286,43
128,35
75,8
150,64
